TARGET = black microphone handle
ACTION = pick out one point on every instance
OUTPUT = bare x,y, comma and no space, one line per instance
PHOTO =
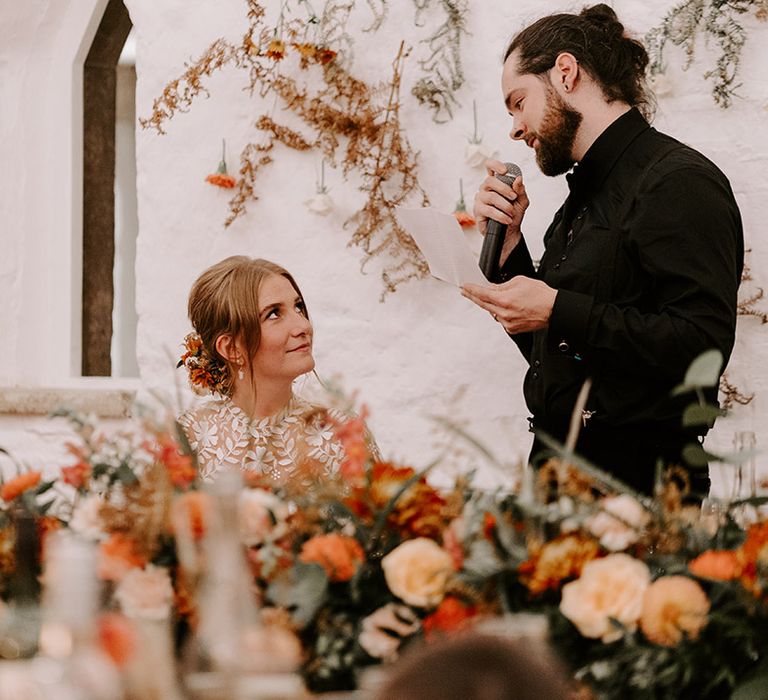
491,250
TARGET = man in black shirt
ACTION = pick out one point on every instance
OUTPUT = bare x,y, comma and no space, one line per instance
642,262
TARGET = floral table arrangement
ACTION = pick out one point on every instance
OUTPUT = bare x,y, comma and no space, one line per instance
644,598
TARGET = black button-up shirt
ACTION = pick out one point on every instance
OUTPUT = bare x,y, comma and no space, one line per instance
646,256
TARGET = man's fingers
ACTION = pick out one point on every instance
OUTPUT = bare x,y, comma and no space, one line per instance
494,167
481,295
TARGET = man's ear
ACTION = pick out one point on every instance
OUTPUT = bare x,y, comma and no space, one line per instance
565,72
228,348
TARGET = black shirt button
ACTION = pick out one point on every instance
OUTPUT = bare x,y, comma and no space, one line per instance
563,346
564,257
537,363
556,266
535,375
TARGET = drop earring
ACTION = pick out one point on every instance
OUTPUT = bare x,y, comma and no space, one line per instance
240,373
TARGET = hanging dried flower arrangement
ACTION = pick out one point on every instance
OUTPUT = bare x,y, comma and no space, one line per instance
718,19
321,202
477,152
350,121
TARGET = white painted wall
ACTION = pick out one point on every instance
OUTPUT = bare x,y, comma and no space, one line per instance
408,356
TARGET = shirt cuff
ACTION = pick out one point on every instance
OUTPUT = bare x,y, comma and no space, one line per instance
569,322
518,263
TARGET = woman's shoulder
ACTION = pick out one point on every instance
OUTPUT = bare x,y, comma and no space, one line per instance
204,412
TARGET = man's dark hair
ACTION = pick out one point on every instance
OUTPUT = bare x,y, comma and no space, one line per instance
596,39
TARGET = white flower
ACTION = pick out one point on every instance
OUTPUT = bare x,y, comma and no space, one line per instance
320,204
619,523
262,514
146,593
383,630
86,520
476,154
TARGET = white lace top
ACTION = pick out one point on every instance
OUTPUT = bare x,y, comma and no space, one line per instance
224,437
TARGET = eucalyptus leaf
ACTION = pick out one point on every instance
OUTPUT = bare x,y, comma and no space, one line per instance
704,371
696,414
301,590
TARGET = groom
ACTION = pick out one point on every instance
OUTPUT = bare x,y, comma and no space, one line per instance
642,262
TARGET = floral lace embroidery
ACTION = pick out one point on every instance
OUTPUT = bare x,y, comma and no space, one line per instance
223,436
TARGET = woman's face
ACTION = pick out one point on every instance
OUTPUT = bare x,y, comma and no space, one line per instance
285,349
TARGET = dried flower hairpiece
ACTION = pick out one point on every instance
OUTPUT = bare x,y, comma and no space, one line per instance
206,373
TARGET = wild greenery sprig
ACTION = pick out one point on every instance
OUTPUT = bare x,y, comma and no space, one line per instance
718,19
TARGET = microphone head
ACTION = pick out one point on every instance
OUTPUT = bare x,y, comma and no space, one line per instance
513,172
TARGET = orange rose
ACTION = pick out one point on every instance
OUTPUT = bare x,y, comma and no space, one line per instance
719,565
673,606
15,487
340,556
452,615
117,556
77,474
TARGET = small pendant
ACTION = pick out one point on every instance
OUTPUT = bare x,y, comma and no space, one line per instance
585,416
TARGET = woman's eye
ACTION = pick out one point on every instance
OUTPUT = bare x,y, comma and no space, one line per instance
301,308
519,104
272,313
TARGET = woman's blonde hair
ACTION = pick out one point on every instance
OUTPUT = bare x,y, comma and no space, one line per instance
224,300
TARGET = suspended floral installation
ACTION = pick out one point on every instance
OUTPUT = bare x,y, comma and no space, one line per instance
720,22
352,123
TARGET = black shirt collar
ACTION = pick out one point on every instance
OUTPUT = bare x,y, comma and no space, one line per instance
590,172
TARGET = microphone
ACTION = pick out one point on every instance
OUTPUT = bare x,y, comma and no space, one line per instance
495,232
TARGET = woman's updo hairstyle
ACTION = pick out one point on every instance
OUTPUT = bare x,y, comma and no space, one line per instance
597,40
225,300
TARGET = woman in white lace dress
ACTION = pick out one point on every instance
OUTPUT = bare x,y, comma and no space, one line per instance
252,339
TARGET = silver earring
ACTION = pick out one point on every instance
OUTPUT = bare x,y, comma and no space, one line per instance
240,374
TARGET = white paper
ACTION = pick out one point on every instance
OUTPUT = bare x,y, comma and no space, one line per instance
443,244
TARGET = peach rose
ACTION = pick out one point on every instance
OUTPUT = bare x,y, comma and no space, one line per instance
262,516
608,589
340,556
719,565
619,522
146,593
673,606
417,571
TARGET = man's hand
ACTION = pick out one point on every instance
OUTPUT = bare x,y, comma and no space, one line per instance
520,305
500,202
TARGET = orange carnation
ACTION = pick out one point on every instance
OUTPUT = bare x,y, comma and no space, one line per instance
15,487
117,556
221,180
719,565
340,556
452,615
673,606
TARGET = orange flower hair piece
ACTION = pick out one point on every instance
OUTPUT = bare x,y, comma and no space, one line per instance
206,373
15,487
340,556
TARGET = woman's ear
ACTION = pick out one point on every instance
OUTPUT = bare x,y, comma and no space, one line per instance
228,348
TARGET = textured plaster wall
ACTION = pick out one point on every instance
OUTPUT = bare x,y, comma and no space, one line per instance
425,350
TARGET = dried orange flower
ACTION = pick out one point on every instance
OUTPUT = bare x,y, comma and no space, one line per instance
452,615
560,559
276,50
15,487
324,55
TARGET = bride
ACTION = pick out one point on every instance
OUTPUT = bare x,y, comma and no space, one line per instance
252,338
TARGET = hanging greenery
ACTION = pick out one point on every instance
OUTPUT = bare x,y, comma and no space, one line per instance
350,121
444,74
720,22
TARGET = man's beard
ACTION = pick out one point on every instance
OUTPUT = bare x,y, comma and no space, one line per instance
556,136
